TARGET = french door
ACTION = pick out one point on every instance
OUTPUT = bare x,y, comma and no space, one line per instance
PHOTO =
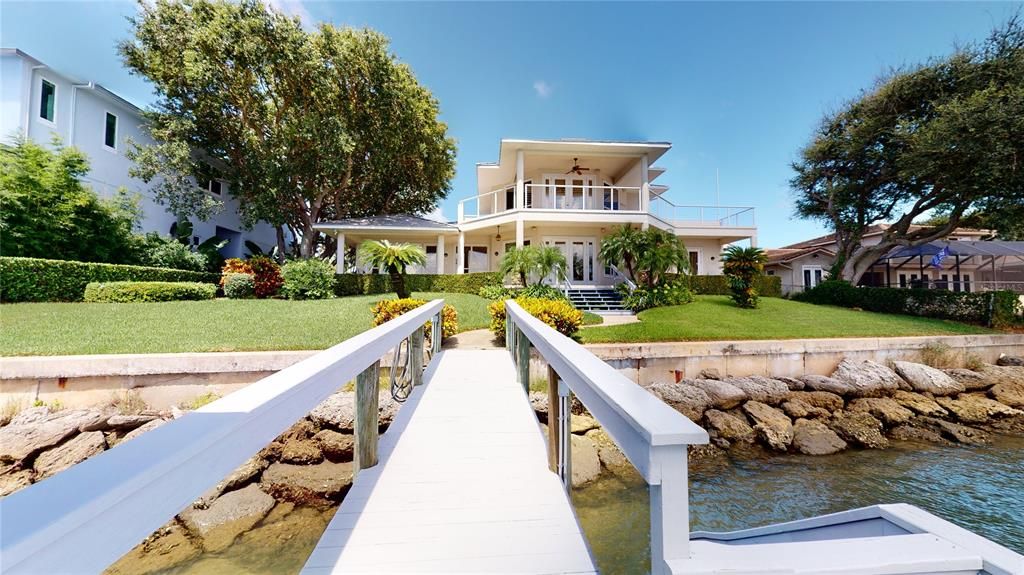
571,192
580,258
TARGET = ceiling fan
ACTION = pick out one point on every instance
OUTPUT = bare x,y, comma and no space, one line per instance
576,169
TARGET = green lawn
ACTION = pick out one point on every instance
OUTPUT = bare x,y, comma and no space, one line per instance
217,325
717,318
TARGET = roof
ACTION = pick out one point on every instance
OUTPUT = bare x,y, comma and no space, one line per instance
402,222
786,255
830,239
81,83
964,248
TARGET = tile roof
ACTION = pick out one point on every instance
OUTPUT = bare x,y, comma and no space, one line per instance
389,221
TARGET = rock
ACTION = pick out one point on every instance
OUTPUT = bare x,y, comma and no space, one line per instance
311,484
611,457
709,373
586,463
761,389
953,431
1011,394
686,399
240,477
884,409
972,408
388,409
812,437
920,404
12,481
792,383
539,403
821,383
869,379
299,431
770,424
303,451
128,422
1009,425
723,395
728,427
1010,360
337,412
229,516
996,374
581,424
19,442
336,446
859,428
823,399
971,380
164,549
909,432
797,408
923,378
143,429
75,450
30,415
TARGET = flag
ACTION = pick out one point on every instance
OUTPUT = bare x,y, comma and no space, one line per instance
937,258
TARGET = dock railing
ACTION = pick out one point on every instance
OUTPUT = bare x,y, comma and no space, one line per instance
652,435
88,516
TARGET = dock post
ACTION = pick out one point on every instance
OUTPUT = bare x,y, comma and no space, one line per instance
366,417
670,509
523,361
437,333
416,356
554,408
564,434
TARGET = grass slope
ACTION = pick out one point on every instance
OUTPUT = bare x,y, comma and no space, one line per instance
717,318
216,325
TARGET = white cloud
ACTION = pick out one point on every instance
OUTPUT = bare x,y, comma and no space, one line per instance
292,8
542,88
436,214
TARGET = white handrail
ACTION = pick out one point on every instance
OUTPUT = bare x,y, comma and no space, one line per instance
629,283
88,516
652,435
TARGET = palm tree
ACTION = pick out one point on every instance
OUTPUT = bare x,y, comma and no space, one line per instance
519,261
620,248
393,258
661,251
742,266
550,260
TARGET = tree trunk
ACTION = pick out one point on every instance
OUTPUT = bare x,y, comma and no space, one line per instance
398,282
861,260
522,278
281,247
308,245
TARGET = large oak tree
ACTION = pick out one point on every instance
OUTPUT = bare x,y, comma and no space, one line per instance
304,126
944,138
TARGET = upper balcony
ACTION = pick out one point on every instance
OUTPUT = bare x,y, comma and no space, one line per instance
563,194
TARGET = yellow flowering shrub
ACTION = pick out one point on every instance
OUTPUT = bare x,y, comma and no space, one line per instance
559,314
388,309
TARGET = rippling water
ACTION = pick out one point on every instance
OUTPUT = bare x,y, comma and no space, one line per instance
979,488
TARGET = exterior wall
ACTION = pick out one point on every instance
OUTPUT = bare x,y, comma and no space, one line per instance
710,253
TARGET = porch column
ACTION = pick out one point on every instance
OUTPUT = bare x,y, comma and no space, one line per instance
460,258
339,259
520,233
645,185
440,254
520,188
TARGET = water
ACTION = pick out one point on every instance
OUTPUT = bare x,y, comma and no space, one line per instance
979,488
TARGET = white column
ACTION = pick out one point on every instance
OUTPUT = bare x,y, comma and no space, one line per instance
645,185
520,188
440,254
339,260
460,258
520,233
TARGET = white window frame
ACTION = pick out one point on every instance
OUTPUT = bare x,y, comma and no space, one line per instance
700,260
117,131
56,91
811,268
468,251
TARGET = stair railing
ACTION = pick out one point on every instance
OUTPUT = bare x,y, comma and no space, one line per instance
629,283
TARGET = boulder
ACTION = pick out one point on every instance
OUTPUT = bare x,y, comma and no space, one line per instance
812,437
167,547
971,380
611,457
299,431
912,432
927,379
1010,394
337,412
686,399
75,450
30,415
953,431
11,481
723,395
770,424
1010,360
19,442
859,428
975,408
539,403
240,477
996,374
388,409
128,422
884,409
586,463
823,399
582,423
229,516
336,446
709,373
762,389
143,429
919,404
792,383
728,427
869,379
821,383
797,408
312,484
302,451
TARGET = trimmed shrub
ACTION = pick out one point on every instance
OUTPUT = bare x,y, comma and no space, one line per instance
672,293
388,309
992,308
368,284
308,279
167,252
541,292
239,285
496,292
267,278
766,286
234,266
32,279
559,314
132,292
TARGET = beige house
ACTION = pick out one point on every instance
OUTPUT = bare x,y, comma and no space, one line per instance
563,193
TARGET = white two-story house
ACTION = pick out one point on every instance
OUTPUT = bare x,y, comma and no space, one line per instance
564,193
39,102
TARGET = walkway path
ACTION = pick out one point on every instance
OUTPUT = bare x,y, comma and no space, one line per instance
462,485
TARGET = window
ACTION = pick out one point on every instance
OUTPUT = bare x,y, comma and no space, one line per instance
110,131
510,198
694,262
770,272
47,100
215,187
474,259
812,276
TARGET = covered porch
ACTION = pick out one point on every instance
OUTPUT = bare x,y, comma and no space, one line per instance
966,266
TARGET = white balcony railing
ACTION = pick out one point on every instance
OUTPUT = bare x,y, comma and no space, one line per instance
716,216
553,197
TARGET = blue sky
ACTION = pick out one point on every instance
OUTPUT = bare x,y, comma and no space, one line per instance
736,87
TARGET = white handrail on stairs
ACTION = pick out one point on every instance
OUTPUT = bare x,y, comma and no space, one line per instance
629,283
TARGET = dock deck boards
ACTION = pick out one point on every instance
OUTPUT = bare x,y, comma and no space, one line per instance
463,485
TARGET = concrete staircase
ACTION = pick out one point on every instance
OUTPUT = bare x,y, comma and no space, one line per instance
599,301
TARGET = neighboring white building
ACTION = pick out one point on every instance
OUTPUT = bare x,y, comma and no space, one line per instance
40,102
534,196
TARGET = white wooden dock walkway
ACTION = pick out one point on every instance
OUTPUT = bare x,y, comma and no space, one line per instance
463,485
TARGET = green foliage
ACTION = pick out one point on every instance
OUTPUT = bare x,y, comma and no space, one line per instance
540,291
549,262
621,247
130,292
766,286
48,213
388,309
267,277
647,255
559,314
360,284
668,293
742,266
238,285
308,279
394,259
31,279
537,262
496,292
305,126
167,252
993,308
199,401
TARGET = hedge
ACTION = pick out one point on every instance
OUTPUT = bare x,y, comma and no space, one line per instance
991,308
33,279
766,286
135,292
367,284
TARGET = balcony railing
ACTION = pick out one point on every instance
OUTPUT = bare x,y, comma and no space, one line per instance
553,197
710,216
